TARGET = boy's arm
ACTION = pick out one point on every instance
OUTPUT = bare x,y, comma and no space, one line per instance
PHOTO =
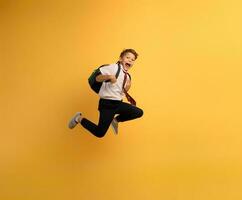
101,78
106,74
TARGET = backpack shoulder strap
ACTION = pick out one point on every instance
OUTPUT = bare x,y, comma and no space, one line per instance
119,68
118,71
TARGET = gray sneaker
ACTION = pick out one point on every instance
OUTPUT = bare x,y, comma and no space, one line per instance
114,125
73,122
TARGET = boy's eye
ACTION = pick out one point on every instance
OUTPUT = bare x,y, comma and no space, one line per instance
129,58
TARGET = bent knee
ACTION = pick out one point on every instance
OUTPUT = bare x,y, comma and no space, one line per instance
140,112
101,133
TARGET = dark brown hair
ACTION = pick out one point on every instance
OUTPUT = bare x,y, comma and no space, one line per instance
129,51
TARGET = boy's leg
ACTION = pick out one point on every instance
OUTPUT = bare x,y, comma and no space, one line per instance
105,118
128,112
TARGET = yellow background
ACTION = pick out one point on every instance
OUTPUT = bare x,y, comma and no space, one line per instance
187,79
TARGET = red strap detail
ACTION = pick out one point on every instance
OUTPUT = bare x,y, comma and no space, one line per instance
129,98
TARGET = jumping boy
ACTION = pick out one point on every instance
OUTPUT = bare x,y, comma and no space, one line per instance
111,96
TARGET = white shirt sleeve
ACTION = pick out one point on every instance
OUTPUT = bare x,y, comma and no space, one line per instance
107,70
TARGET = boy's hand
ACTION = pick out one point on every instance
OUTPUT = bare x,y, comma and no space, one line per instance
113,79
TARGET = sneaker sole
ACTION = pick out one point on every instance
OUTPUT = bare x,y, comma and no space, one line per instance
115,132
72,123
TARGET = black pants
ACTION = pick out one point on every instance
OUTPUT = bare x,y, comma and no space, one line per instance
107,110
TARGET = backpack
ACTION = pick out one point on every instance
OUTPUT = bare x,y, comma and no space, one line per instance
95,85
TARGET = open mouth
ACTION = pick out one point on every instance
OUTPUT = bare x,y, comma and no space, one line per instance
127,64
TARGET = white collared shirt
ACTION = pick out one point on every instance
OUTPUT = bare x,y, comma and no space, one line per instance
110,90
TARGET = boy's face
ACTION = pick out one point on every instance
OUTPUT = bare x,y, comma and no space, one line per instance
127,60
